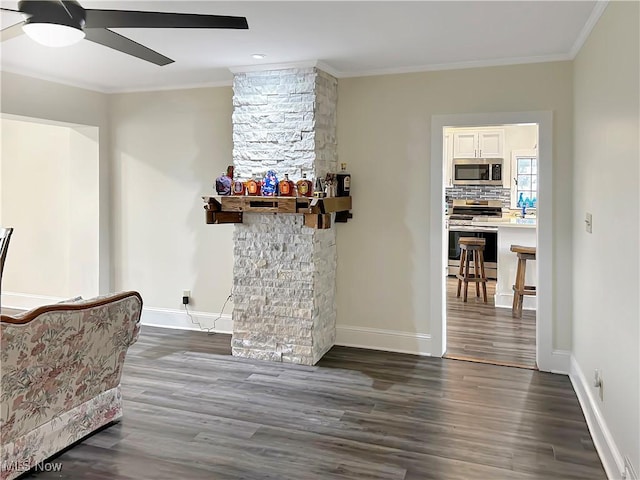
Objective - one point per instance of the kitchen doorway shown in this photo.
(490, 196)
(550, 296)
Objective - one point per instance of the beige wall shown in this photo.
(49, 196)
(34, 176)
(167, 149)
(38, 99)
(384, 136)
(606, 183)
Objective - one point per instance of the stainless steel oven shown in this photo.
(459, 224)
(490, 234)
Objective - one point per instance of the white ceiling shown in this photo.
(348, 38)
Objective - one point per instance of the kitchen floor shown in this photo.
(483, 333)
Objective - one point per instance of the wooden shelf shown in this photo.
(317, 211)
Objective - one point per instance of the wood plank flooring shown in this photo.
(487, 334)
(193, 412)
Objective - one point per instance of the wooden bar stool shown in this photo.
(472, 248)
(520, 289)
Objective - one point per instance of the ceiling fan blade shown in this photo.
(12, 31)
(125, 45)
(135, 19)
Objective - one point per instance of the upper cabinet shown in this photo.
(478, 144)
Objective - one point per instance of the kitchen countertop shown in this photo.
(505, 222)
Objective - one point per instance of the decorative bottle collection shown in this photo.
(266, 184)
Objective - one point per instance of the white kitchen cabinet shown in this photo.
(491, 144)
(478, 144)
(465, 144)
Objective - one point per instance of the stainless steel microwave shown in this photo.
(477, 171)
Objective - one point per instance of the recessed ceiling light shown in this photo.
(258, 56)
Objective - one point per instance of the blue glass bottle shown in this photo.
(520, 201)
(270, 184)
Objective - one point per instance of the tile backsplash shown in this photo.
(479, 192)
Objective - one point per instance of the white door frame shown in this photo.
(544, 263)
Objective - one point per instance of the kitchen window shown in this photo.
(524, 189)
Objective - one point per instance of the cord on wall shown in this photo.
(207, 329)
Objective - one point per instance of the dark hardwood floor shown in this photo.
(194, 412)
(483, 333)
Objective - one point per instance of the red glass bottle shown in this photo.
(238, 188)
(286, 187)
(254, 187)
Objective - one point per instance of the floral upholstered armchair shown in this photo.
(60, 369)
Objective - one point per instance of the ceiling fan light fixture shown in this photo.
(53, 34)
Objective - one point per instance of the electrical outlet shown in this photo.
(186, 293)
(598, 383)
(186, 296)
(588, 223)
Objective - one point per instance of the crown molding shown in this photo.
(459, 65)
(47, 78)
(186, 86)
(596, 13)
(265, 67)
(108, 91)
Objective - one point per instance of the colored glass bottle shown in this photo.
(270, 184)
(223, 185)
(286, 187)
(254, 186)
(238, 187)
(305, 187)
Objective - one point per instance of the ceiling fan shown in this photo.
(65, 22)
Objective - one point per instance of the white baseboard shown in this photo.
(26, 301)
(560, 362)
(153, 317)
(610, 456)
(179, 319)
(388, 340)
(505, 300)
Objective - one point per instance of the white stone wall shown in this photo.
(324, 291)
(273, 122)
(326, 146)
(284, 272)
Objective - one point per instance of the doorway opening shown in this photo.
(490, 187)
(546, 358)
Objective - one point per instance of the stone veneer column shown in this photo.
(284, 272)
